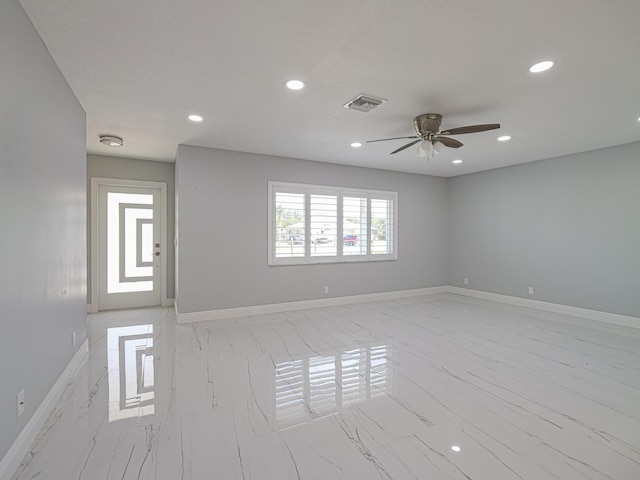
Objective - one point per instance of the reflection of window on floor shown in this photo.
(312, 387)
(131, 371)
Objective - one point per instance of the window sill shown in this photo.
(319, 261)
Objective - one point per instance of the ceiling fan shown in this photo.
(428, 135)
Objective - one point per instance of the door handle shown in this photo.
(157, 254)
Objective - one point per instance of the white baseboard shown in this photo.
(612, 318)
(230, 313)
(301, 305)
(168, 302)
(11, 461)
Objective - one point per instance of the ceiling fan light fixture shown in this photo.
(423, 149)
(356, 144)
(541, 66)
(504, 138)
(111, 140)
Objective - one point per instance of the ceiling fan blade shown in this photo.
(470, 129)
(394, 138)
(448, 142)
(406, 146)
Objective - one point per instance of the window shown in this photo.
(318, 224)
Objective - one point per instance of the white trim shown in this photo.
(613, 318)
(301, 305)
(118, 182)
(227, 313)
(11, 461)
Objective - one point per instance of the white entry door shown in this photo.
(129, 246)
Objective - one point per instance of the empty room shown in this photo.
(317, 240)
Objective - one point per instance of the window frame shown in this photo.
(275, 187)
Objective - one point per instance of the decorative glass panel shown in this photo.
(128, 215)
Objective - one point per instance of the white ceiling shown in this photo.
(139, 67)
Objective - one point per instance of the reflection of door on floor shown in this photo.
(129, 247)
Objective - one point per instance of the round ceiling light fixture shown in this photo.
(504, 138)
(295, 84)
(455, 448)
(195, 118)
(111, 140)
(457, 162)
(356, 144)
(541, 66)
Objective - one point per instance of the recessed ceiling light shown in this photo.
(457, 162)
(195, 118)
(504, 138)
(295, 84)
(111, 140)
(541, 66)
(455, 448)
(356, 144)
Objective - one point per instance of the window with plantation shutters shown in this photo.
(321, 224)
(354, 225)
(381, 223)
(289, 225)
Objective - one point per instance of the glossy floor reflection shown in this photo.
(433, 387)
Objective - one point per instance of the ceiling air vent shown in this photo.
(364, 103)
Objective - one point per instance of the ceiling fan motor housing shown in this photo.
(427, 123)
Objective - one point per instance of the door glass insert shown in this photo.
(129, 242)
(145, 256)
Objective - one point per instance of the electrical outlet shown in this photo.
(466, 281)
(73, 338)
(20, 402)
(326, 290)
(530, 290)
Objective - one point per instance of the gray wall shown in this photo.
(131, 169)
(569, 227)
(42, 214)
(222, 223)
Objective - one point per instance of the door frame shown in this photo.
(119, 182)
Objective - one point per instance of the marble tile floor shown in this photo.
(432, 387)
